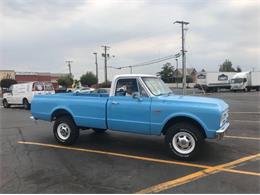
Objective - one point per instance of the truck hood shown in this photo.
(196, 100)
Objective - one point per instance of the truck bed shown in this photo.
(87, 109)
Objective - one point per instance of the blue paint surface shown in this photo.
(147, 115)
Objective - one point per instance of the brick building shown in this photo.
(23, 77)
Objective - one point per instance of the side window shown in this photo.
(38, 86)
(126, 87)
(11, 88)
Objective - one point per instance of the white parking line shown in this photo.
(242, 137)
(244, 112)
(245, 121)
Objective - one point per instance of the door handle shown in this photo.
(114, 103)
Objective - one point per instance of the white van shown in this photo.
(22, 94)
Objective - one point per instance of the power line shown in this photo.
(154, 61)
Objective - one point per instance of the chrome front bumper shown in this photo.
(31, 117)
(221, 132)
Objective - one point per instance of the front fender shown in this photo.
(188, 115)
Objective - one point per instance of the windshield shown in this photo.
(237, 80)
(156, 86)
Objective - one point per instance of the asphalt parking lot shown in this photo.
(113, 162)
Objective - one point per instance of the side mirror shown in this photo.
(136, 95)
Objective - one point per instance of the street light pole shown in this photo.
(183, 55)
(95, 53)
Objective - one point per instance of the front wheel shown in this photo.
(5, 104)
(65, 131)
(184, 140)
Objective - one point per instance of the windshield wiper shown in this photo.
(168, 93)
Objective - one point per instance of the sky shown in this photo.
(40, 35)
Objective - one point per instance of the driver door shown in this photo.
(129, 113)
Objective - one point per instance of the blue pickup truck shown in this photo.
(140, 104)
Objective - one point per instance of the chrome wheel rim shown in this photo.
(183, 142)
(63, 131)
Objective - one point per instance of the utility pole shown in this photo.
(131, 69)
(183, 55)
(95, 53)
(105, 55)
(177, 71)
(69, 65)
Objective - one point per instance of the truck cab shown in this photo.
(246, 81)
(240, 81)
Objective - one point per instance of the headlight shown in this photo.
(224, 118)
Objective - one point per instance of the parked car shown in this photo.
(140, 104)
(84, 90)
(101, 90)
(22, 94)
(80, 90)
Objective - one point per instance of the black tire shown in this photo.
(257, 88)
(99, 130)
(5, 104)
(67, 121)
(190, 131)
(26, 104)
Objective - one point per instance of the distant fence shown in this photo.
(174, 85)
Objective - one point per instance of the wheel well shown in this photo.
(183, 119)
(25, 99)
(60, 112)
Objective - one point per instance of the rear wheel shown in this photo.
(65, 131)
(5, 104)
(184, 140)
(26, 104)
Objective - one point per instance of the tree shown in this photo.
(239, 69)
(65, 81)
(88, 79)
(76, 83)
(6, 83)
(226, 67)
(167, 73)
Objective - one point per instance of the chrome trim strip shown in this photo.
(223, 129)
